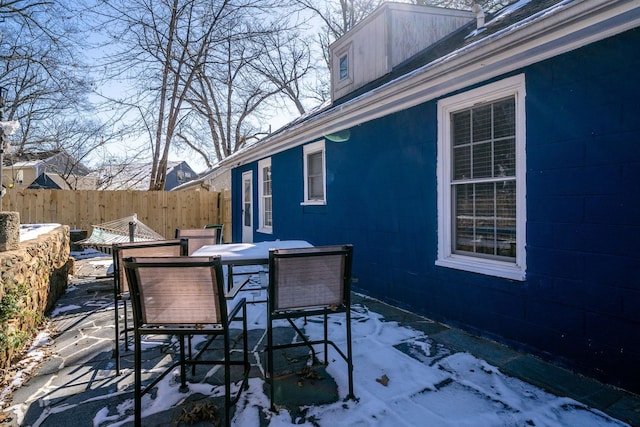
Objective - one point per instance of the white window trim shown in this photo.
(338, 82)
(512, 86)
(261, 208)
(310, 149)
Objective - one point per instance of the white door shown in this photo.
(247, 207)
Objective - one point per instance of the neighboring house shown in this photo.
(488, 178)
(216, 179)
(136, 176)
(49, 181)
(48, 169)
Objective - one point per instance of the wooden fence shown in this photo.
(163, 211)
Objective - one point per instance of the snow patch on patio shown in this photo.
(430, 386)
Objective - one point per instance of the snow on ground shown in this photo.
(28, 363)
(401, 378)
(90, 253)
(32, 231)
(427, 384)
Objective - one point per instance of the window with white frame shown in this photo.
(481, 180)
(314, 174)
(265, 202)
(342, 66)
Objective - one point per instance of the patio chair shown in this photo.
(220, 228)
(184, 296)
(307, 282)
(198, 237)
(174, 247)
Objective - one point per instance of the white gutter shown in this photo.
(560, 29)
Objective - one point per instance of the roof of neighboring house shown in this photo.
(49, 181)
(30, 158)
(58, 161)
(132, 176)
(524, 33)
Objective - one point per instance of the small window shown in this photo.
(265, 201)
(314, 173)
(481, 180)
(344, 66)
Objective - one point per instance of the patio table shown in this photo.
(242, 254)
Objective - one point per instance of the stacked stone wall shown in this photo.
(32, 278)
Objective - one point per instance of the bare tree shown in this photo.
(199, 73)
(187, 67)
(47, 79)
(287, 64)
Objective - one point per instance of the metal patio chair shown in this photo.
(220, 228)
(173, 247)
(184, 296)
(198, 237)
(308, 282)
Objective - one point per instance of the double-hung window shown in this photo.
(265, 202)
(314, 174)
(481, 180)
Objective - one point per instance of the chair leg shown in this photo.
(349, 354)
(116, 304)
(326, 339)
(193, 366)
(227, 380)
(269, 355)
(183, 369)
(126, 325)
(246, 345)
(138, 380)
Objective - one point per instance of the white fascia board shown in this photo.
(565, 27)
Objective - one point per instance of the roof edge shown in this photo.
(559, 29)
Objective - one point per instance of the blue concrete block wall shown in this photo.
(580, 303)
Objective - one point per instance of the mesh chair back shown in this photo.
(173, 247)
(177, 291)
(310, 277)
(198, 237)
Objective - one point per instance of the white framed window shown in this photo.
(265, 202)
(343, 66)
(481, 180)
(314, 174)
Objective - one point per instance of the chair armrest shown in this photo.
(234, 311)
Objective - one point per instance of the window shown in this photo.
(344, 66)
(314, 174)
(265, 202)
(481, 180)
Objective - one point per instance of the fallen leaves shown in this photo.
(384, 380)
(200, 411)
(308, 374)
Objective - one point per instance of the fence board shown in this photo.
(163, 211)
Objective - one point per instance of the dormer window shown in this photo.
(344, 66)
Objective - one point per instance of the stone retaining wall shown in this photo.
(32, 278)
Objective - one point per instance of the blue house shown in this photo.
(485, 168)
